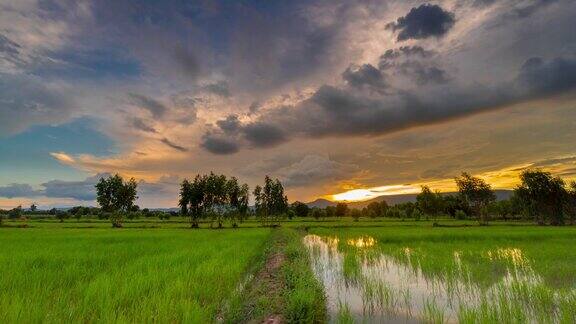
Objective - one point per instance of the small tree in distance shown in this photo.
(115, 196)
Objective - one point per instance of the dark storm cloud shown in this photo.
(219, 145)
(417, 51)
(230, 125)
(365, 76)
(156, 108)
(18, 190)
(333, 111)
(173, 145)
(545, 78)
(263, 135)
(423, 74)
(140, 124)
(422, 22)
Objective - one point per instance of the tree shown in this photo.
(15, 213)
(317, 213)
(216, 197)
(355, 214)
(377, 209)
(33, 207)
(116, 196)
(477, 193)
(341, 209)
(330, 211)
(300, 209)
(61, 215)
(270, 201)
(430, 203)
(543, 196)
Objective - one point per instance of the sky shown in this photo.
(338, 99)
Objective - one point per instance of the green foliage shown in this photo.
(377, 209)
(430, 203)
(300, 209)
(341, 209)
(116, 196)
(477, 193)
(544, 197)
(303, 294)
(215, 197)
(270, 201)
(355, 214)
(460, 214)
(15, 213)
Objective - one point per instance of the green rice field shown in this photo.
(337, 271)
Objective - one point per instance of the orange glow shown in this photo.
(366, 194)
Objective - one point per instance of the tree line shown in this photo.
(540, 197)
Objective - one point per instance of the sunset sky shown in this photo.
(329, 96)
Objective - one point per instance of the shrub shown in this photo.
(460, 214)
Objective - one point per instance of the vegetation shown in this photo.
(214, 196)
(99, 275)
(471, 275)
(115, 196)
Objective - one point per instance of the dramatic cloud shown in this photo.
(26, 101)
(365, 76)
(332, 111)
(156, 108)
(315, 169)
(80, 190)
(219, 145)
(423, 22)
(542, 78)
(263, 135)
(173, 145)
(230, 125)
(18, 190)
(140, 124)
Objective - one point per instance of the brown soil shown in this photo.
(269, 277)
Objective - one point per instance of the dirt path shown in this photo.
(262, 298)
(269, 276)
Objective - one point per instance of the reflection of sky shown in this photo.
(390, 290)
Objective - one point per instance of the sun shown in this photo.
(354, 195)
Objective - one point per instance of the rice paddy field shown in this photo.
(58, 275)
(493, 274)
(337, 271)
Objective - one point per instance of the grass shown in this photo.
(105, 275)
(488, 274)
(161, 271)
(284, 287)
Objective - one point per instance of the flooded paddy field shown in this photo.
(410, 274)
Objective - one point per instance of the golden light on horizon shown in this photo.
(505, 178)
(367, 194)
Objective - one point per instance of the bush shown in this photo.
(460, 215)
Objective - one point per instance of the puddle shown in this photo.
(365, 285)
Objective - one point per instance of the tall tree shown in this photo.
(116, 196)
(543, 196)
(477, 193)
(430, 203)
(341, 209)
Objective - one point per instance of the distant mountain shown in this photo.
(394, 199)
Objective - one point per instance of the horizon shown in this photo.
(340, 100)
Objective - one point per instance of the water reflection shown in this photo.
(368, 286)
